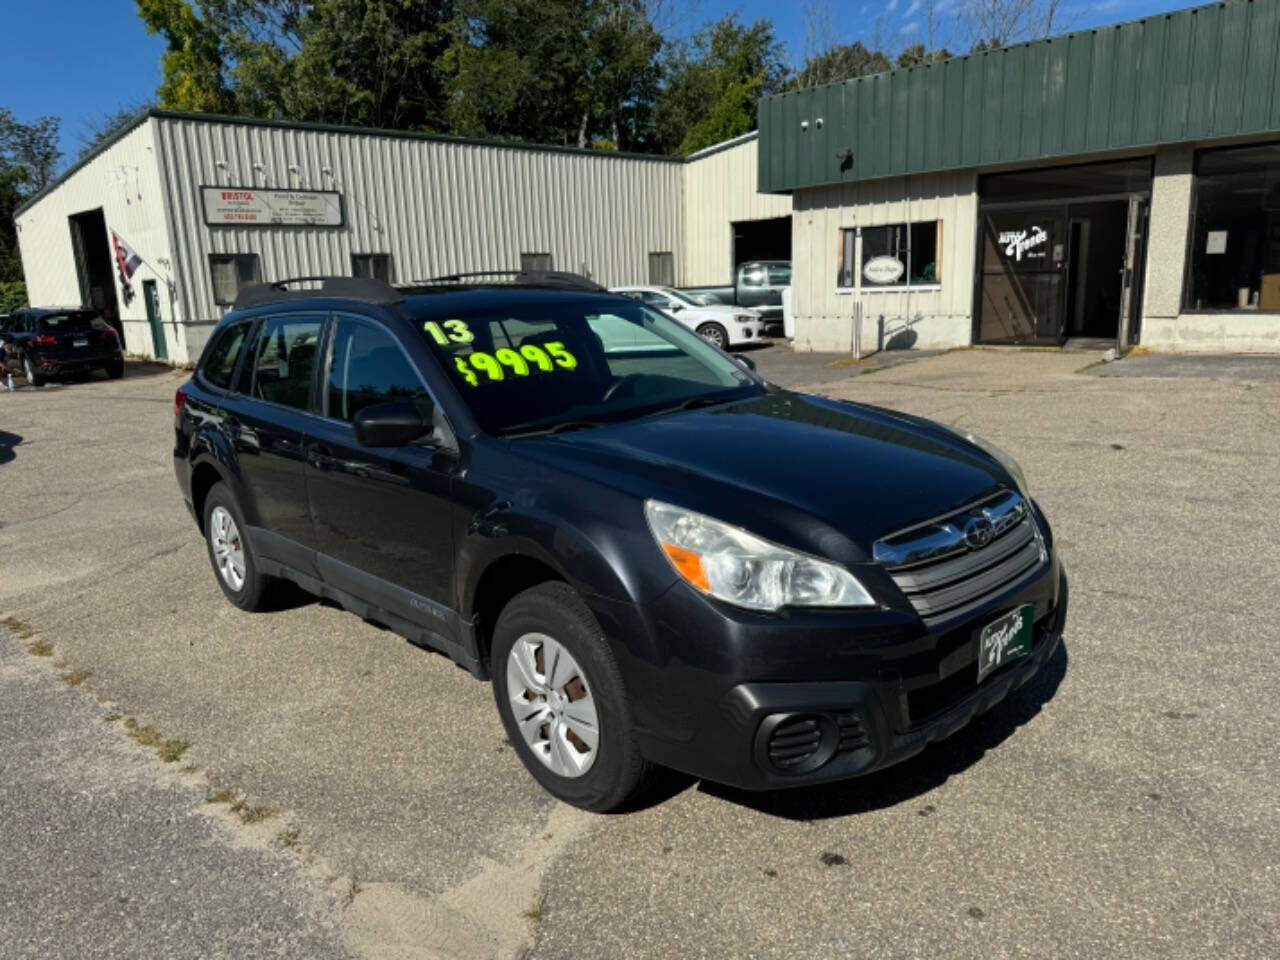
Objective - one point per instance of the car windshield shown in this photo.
(681, 296)
(557, 365)
(64, 322)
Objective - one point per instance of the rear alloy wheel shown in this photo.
(229, 552)
(715, 334)
(29, 371)
(562, 701)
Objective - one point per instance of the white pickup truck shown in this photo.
(722, 325)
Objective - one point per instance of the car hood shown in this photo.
(817, 474)
(725, 309)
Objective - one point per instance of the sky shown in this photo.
(105, 60)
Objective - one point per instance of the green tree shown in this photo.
(98, 132)
(363, 62)
(574, 72)
(29, 158)
(840, 63)
(918, 55)
(714, 82)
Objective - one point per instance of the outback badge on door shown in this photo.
(1006, 639)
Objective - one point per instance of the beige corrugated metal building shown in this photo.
(204, 203)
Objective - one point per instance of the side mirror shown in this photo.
(745, 361)
(675, 307)
(393, 424)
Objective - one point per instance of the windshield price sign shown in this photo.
(255, 207)
(529, 359)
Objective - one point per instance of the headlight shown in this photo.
(1001, 457)
(739, 568)
(743, 318)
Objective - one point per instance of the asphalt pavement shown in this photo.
(1125, 803)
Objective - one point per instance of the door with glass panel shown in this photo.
(1024, 271)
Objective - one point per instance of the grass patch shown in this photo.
(221, 796)
(168, 750)
(76, 677)
(289, 838)
(20, 629)
(256, 814)
(40, 648)
(536, 912)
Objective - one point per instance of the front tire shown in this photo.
(714, 334)
(29, 371)
(229, 553)
(561, 699)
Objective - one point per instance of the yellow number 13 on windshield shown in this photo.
(449, 332)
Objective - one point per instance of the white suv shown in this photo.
(724, 326)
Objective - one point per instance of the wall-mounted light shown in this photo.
(804, 124)
(818, 123)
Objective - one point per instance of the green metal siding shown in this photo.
(1191, 75)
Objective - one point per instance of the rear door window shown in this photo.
(220, 364)
(367, 366)
(284, 359)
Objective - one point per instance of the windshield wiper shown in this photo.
(693, 403)
(563, 427)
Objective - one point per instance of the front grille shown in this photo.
(794, 741)
(953, 564)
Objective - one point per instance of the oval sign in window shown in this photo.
(883, 269)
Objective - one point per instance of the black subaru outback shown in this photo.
(657, 557)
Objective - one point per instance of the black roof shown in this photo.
(53, 311)
(368, 290)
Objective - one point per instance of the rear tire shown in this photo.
(229, 553)
(115, 370)
(579, 691)
(29, 371)
(714, 334)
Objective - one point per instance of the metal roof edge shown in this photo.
(960, 57)
(166, 114)
(722, 145)
(125, 129)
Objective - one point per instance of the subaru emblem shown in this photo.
(978, 532)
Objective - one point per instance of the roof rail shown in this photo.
(349, 288)
(561, 279)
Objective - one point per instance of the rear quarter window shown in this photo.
(220, 364)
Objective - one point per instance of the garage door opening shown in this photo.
(94, 267)
(761, 240)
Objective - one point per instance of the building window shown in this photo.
(535, 262)
(1234, 261)
(896, 255)
(230, 272)
(375, 266)
(662, 269)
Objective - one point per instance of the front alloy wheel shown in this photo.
(552, 705)
(714, 334)
(563, 705)
(228, 548)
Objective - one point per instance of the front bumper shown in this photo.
(751, 332)
(875, 699)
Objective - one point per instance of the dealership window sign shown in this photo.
(255, 207)
(883, 269)
(1024, 243)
